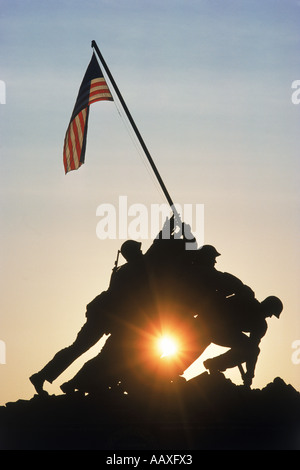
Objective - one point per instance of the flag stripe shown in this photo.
(99, 82)
(93, 88)
(74, 140)
(86, 93)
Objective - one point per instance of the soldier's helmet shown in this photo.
(208, 251)
(130, 249)
(272, 305)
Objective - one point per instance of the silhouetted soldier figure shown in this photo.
(101, 315)
(122, 352)
(237, 318)
(226, 308)
(211, 282)
(109, 311)
(230, 311)
(143, 285)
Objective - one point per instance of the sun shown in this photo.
(167, 346)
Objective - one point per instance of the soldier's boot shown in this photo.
(37, 381)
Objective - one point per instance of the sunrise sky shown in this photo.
(209, 84)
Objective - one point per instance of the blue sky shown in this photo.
(209, 86)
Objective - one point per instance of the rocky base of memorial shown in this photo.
(208, 412)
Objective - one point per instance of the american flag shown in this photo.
(93, 88)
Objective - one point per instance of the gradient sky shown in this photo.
(208, 83)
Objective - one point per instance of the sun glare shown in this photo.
(167, 346)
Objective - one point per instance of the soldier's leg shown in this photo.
(241, 351)
(189, 356)
(98, 373)
(87, 337)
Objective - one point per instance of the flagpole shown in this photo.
(141, 141)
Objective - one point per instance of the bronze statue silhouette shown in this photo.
(100, 317)
(166, 285)
(120, 304)
(241, 318)
(229, 315)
